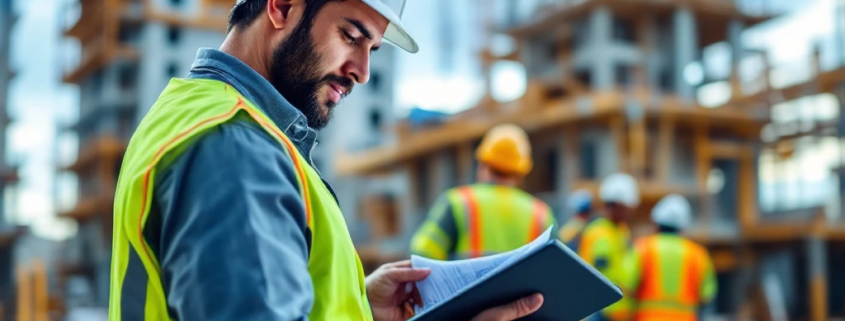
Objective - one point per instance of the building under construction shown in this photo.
(608, 91)
(129, 51)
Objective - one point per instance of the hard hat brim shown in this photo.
(395, 33)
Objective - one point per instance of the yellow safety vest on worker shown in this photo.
(604, 245)
(669, 277)
(571, 230)
(489, 219)
(184, 111)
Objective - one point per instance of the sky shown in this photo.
(39, 102)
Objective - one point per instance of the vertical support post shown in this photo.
(617, 131)
(638, 136)
(413, 202)
(686, 45)
(601, 41)
(817, 275)
(441, 173)
(735, 28)
(747, 204)
(24, 310)
(703, 164)
(568, 156)
(40, 276)
(465, 158)
(664, 147)
(647, 41)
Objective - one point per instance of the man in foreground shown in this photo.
(219, 214)
(492, 216)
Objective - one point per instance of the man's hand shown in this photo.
(513, 310)
(391, 290)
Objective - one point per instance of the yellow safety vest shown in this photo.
(572, 229)
(604, 245)
(489, 219)
(185, 110)
(669, 277)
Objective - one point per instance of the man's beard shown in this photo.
(295, 73)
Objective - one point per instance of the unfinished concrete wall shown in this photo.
(162, 58)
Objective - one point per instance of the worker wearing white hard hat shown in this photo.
(606, 238)
(220, 213)
(657, 294)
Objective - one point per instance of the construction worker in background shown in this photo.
(491, 216)
(219, 212)
(606, 239)
(669, 277)
(580, 206)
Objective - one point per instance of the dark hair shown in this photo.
(245, 12)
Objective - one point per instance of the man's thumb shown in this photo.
(407, 275)
(513, 310)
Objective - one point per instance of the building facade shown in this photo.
(129, 51)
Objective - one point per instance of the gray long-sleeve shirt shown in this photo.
(227, 223)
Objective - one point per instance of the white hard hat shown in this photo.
(672, 211)
(395, 33)
(620, 188)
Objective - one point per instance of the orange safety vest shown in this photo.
(673, 273)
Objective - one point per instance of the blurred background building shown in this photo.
(734, 103)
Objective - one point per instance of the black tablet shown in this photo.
(572, 289)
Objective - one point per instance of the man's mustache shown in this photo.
(344, 82)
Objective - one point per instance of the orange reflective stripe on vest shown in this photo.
(475, 225)
(473, 222)
(539, 220)
(671, 279)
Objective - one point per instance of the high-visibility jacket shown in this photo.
(488, 219)
(572, 229)
(603, 245)
(670, 278)
(185, 110)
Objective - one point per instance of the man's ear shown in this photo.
(279, 11)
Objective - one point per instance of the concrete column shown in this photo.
(441, 172)
(686, 48)
(465, 159)
(817, 277)
(569, 160)
(601, 41)
(735, 28)
(648, 46)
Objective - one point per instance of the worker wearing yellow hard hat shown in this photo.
(606, 239)
(667, 276)
(492, 215)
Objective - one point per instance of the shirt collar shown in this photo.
(218, 65)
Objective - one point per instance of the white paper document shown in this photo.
(449, 277)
